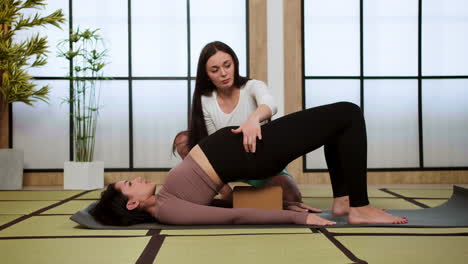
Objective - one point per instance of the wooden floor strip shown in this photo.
(411, 200)
(314, 230)
(151, 250)
(341, 247)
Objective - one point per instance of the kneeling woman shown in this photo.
(220, 158)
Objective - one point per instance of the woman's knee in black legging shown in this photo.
(354, 114)
(351, 109)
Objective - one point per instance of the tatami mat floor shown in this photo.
(35, 228)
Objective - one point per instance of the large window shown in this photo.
(153, 49)
(405, 63)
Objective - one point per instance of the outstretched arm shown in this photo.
(180, 212)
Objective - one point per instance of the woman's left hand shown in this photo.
(300, 207)
(251, 130)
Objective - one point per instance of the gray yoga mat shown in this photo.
(453, 213)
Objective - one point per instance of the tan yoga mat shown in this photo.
(22, 207)
(73, 250)
(7, 218)
(70, 207)
(237, 231)
(271, 249)
(93, 195)
(59, 225)
(37, 195)
(408, 249)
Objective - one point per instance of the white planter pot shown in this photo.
(83, 175)
(11, 169)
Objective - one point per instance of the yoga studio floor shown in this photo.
(35, 228)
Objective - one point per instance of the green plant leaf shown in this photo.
(18, 55)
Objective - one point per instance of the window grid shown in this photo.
(130, 79)
(362, 78)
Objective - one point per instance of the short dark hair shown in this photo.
(111, 209)
(174, 143)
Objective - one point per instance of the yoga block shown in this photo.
(270, 197)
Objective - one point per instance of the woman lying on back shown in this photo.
(220, 158)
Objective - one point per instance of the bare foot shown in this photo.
(340, 205)
(313, 219)
(370, 215)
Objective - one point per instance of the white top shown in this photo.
(252, 94)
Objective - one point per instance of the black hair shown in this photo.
(204, 86)
(111, 209)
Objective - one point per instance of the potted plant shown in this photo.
(16, 57)
(82, 49)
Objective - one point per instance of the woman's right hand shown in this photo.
(313, 219)
(251, 131)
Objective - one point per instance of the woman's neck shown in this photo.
(149, 205)
(228, 100)
(228, 94)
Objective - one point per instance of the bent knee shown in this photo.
(350, 109)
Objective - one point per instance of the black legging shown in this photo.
(340, 127)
